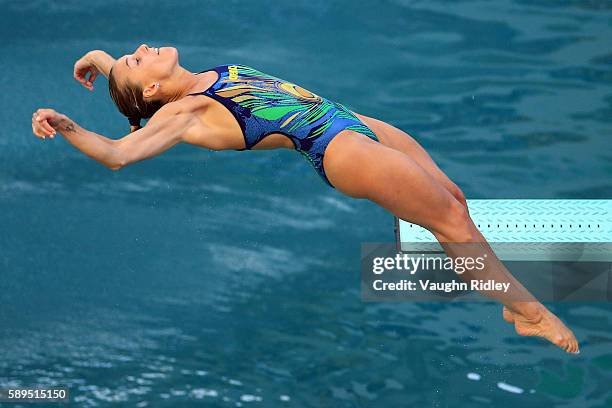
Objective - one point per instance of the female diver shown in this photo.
(238, 107)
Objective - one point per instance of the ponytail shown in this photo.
(134, 123)
(130, 101)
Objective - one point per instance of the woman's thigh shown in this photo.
(399, 140)
(362, 168)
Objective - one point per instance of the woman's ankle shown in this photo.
(529, 310)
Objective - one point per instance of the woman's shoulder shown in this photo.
(180, 106)
(171, 108)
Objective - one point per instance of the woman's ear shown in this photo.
(150, 90)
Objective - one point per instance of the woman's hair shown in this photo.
(130, 102)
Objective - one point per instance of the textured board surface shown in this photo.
(579, 230)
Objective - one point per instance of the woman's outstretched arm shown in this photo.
(164, 130)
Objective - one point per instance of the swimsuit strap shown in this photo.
(210, 87)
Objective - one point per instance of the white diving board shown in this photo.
(530, 230)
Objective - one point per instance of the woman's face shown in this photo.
(146, 66)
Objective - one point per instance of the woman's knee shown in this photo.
(458, 194)
(456, 225)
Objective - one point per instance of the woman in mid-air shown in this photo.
(236, 107)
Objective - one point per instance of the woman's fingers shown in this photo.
(40, 123)
(39, 130)
(45, 126)
(48, 128)
(83, 80)
(36, 126)
(35, 131)
(81, 68)
(88, 82)
(92, 77)
(79, 73)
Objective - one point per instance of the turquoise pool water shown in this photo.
(230, 279)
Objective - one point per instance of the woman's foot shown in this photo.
(533, 319)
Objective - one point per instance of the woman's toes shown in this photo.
(560, 341)
(507, 315)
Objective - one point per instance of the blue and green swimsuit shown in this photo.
(263, 104)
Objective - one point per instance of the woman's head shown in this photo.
(134, 80)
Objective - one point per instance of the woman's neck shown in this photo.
(188, 82)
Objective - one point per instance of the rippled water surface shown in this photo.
(232, 278)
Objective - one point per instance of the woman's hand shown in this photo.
(84, 66)
(94, 62)
(44, 121)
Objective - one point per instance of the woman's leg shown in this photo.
(362, 168)
(399, 140)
